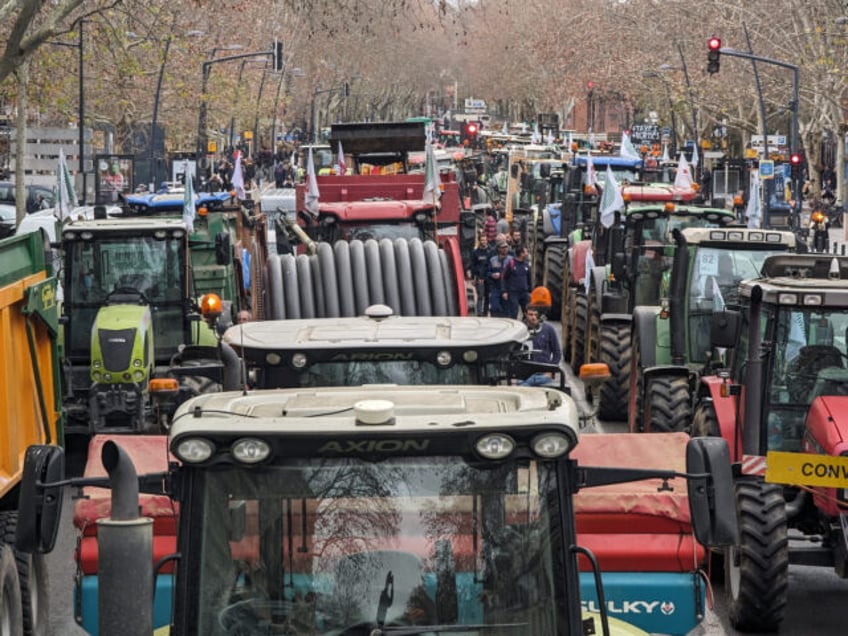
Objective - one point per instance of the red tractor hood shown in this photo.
(827, 426)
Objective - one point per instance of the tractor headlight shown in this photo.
(107, 377)
(137, 363)
(551, 445)
(299, 360)
(96, 375)
(495, 446)
(250, 450)
(96, 363)
(138, 376)
(443, 358)
(194, 450)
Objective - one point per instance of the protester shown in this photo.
(516, 283)
(477, 269)
(544, 339)
(497, 264)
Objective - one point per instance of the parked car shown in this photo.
(7, 220)
(7, 195)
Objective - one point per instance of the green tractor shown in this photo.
(633, 258)
(131, 318)
(670, 342)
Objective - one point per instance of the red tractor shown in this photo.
(784, 389)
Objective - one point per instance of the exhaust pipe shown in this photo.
(125, 545)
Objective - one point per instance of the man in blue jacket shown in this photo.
(516, 283)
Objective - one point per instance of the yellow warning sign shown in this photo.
(806, 469)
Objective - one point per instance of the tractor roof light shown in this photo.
(194, 450)
(251, 450)
(552, 444)
(738, 200)
(211, 307)
(669, 207)
(202, 211)
(495, 446)
(818, 216)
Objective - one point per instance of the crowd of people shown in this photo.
(499, 269)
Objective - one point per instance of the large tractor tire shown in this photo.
(614, 339)
(537, 253)
(554, 254)
(593, 328)
(634, 402)
(578, 330)
(11, 612)
(567, 309)
(757, 570)
(668, 406)
(705, 421)
(31, 585)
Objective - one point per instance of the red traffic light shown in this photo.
(471, 129)
(714, 43)
(795, 159)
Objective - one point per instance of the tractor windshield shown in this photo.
(714, 279)
(149, 269)
(809, 360)
(383, 370)
(332, 546)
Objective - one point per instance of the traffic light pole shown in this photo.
(793, 143)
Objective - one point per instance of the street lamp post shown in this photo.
(79, 47)
(152, 166)
(202, 140)
(667, 88)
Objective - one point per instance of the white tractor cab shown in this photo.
(381, 348)
(361, 510)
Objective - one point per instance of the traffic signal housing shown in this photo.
(278, 55)
(713, 55)
(795, 164)
(470, 130)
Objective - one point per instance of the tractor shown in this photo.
(781, 401)
(670, 342)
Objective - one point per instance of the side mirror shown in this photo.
(724, 328)
(545, 170)
(513, 171)
(40, 507)
(712, 498)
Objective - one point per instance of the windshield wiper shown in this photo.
(403, 630)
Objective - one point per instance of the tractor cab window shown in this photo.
(144, 270)
(810, 360)
(340, 545)
(403, 372)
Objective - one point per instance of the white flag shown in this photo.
(695, 156)
(312, 193)
(665, 156)
(238, 178)
(683, 178)
(432, 181)
(342, 164)
(627, 150)
(188, 202)
(66, 195)
(505, 129)
(570, 141)
(611, 200)
(590, 264)
(718, 299)
(591, 174)
(753, 210)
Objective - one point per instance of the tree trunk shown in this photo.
(22, 77)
